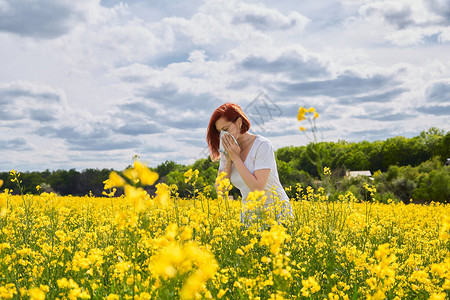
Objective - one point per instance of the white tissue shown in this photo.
(221, 147)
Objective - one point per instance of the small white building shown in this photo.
(351, 174)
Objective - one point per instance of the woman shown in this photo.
(250, 165)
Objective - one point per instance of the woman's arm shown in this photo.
(255, 181)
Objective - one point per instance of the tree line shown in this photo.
(405, 168)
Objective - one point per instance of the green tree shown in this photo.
(442, 147)
(30, 180)
(433, 186)
(167, 167)
(395, 151)
(356, 160)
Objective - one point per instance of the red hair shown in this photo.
(231, 112)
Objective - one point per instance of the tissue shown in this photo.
(221, 147)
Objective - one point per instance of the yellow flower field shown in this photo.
(164, 247)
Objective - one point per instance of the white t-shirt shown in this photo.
(260, 156)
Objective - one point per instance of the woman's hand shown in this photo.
(231, 147)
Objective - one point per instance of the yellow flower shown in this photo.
(444, 232)
(162, 194)
(333, 296)
(187, 175)
(3, 203)
(316, 115)
(223, 185)
(274, 238)
(1, 182)
(311, 110)
(221, 293)
(192, 287)
(171, 231)
(121, 269)
(382, 251)
(131, 174)
(438, 269)
(301, 114)
(116, 180)
(36, 294)
(144, 296)
(64, 283)
(168, 261)
(121, 220)
(438, 296)
(302, 128)
(136, 196)
(266, 259)
(186, 234)
(239, 251)
(310, 286)
(146, 176)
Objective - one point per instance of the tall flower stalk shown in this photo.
(312, 150)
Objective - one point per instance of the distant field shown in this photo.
(140, 248)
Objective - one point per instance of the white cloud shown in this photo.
(293, 61)
(400, 14)
(263, 18)
(444, 36)
(21, 100)
(113, 40)
(45, 19)
(410, 21)
(439, 91)
(112, 82)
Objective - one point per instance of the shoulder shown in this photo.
(263, 139)
(264, 154)
(263, 143)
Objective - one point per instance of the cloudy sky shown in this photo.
(89, 83)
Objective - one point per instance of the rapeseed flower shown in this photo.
(223, 184)
(301, 114)
(36, 294)
(131, 174)
(145, 175)
(221, 293)
(274, 238)
(136, 196)
(444, 233)
(310, 286)
(186, 234)
(162, 194)
(110, 248)
(303, 111)
(191, 176)
(115, 180)
(3, 204)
